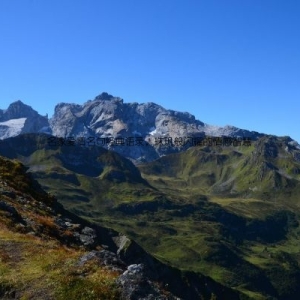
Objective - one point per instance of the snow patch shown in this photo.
(11, 127)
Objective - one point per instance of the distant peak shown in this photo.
(18, 102)
(104, 96)
(18, 109)
(19, 105)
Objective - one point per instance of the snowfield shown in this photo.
(11, 127)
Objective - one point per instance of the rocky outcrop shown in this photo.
(135, 285)
(185, 285)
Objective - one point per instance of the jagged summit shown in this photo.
(20, 118)
(104, 96)
(108, 116)
(17, 110)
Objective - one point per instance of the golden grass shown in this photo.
(33, 266)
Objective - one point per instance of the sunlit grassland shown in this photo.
(39, 268)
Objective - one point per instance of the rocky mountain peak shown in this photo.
(17, 110)
(108, 117)
(104, 96)
(20, 118)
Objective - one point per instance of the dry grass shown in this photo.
(39, 269)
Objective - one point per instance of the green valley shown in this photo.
(230, 213)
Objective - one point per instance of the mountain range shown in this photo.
(158, 131)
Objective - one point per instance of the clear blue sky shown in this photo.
(231, 62)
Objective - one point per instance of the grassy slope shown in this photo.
(31, 268)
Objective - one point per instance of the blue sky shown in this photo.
(231, 62)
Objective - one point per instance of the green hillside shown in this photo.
(78, 176)
(252, 232)
(268, 169)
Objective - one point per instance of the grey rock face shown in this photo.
(86, 237)
(136, 286)
(142, 132)
(103, 258)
